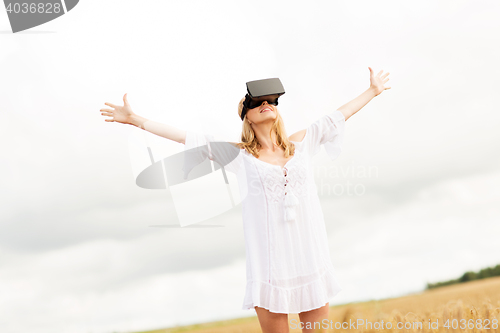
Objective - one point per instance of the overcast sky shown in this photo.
(79, 247)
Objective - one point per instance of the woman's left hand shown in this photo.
(377, 82)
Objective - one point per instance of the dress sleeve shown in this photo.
(199, 146)
(328, 131)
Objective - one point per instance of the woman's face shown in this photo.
(263, 113)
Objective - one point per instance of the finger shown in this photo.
(108, 110)
(107, 114)
(387, 87)
(386, 80)
(378, 74)
(371, 71)
(109, 120)
(125, 102)
(112, 105)
(384, 76)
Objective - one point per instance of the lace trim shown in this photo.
(296, 180)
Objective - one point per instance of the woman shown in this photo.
(289, 269)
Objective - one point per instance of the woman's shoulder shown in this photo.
(298, 137)
(238, 145)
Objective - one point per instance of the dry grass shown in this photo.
(473, 301)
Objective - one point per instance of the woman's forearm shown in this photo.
(356, 104)
(163, 130)
(137, 120)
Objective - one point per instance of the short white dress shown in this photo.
(288, 264)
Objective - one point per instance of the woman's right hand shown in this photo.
(121, 114)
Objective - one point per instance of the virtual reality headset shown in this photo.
(262, 90)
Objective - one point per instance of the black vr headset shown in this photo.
(262, 90)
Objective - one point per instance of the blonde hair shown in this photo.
(250, 142)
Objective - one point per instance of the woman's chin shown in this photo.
(268, 114)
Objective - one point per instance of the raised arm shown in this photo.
(375, 89)
(163, 130)
(125, 115)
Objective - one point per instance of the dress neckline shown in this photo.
(279, 166)
(284, 166)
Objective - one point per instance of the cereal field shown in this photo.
(467, 307)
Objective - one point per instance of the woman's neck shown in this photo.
(266, 137)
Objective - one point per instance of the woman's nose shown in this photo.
(265, 102)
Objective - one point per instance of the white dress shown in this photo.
(288, 264)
